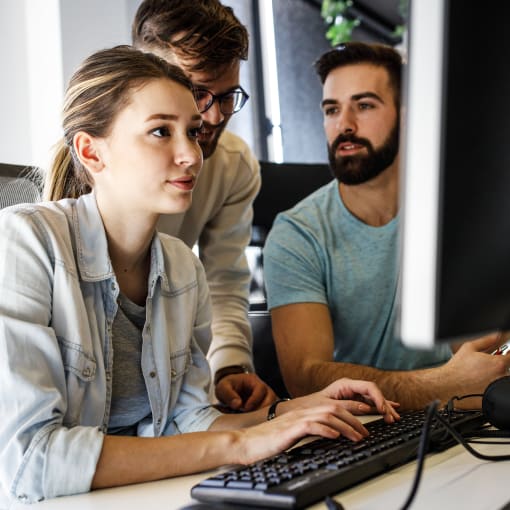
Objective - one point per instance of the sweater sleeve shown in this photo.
(222, 246)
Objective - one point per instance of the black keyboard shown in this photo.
(307, 474)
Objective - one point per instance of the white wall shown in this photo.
(14, 90)
(41, 44)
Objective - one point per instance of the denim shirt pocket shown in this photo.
(80, 370)
(180, 361)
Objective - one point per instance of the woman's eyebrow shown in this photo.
(170, 116)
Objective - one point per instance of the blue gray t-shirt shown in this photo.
(130, 400)
(318, 252)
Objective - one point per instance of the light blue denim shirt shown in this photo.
(58, 299)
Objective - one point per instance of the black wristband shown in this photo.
(233, 369)
(271, 413)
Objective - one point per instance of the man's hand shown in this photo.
(244, 392)
(473, 368)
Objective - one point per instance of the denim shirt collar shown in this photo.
(92, 256)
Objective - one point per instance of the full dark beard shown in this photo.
(352, 170)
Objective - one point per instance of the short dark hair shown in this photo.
(203, 30)
(353, 53)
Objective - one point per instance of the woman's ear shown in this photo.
(87, 148)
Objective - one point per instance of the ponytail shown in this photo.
(66, 179)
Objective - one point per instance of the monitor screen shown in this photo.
(455, 194)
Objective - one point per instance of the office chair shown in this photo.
(265, 358)
(18, 184)
(283, 186)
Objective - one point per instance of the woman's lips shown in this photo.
(184, 183)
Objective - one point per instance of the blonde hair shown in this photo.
(97, 92)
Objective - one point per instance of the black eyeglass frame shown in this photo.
(220, 98)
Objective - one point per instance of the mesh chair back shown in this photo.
(18, 185)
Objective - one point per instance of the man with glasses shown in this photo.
(206, 39)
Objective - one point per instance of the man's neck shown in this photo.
(374, 202)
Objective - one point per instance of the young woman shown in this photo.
(104, 322)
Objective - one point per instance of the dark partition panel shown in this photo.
(299, 38)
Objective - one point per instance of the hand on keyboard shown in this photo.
(360, 397)
(328, 413)
(308, 473)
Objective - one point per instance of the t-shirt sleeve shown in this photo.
(293, 264)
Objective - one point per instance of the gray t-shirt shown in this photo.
(318, 252)
(130, 402)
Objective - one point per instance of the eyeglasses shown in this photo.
(230, 102)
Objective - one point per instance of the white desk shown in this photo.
(451, 480)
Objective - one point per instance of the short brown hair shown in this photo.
(203, 30)
(353, 53)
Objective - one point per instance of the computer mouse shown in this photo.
(496, 403)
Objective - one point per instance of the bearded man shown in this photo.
(331, 262)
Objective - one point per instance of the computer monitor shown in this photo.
(455, 237)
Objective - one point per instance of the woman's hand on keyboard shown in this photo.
(328, 413)
(362, 397)
(357, 397)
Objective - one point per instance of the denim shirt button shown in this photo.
(152, 374)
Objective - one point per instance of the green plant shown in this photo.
(341, 23)
(340, 27)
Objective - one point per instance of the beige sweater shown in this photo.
(219, 221)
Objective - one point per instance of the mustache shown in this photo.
(343, 138)
(206, 126)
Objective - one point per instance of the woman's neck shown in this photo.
(129, 242)
(131, 264)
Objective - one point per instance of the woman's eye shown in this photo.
(161, 132)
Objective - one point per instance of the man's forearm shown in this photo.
(413, 389)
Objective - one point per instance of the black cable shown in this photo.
(458, 437)
(422, 451)
(424, 442)
(477, 441)
(332, 504)
(431, 414)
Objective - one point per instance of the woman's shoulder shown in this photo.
(181, 265)
(46, 212)
(177, 250)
